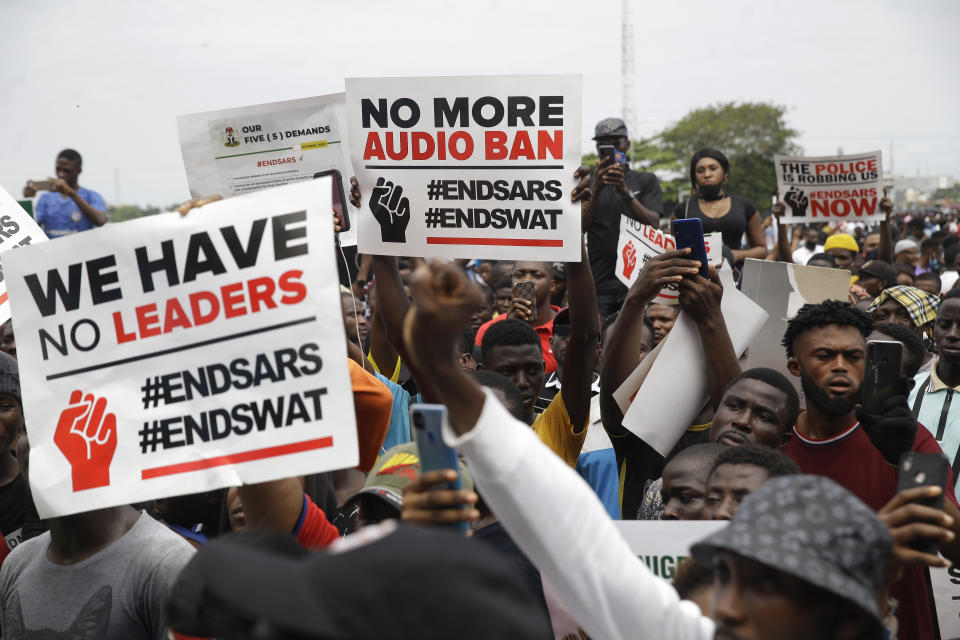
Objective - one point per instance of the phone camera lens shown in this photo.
(418, 420)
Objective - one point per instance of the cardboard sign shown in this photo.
(171, 355)
(235, 151)
(946, 597)
(467, 167)
(658, 414)
(831, 188)
(781, 289)
(17, 229)
(639, 242)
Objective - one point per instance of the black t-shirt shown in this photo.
(604, 231)
(13, 510)
(732, 225)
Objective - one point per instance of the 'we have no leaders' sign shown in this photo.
(171, 355)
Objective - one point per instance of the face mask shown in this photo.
(710, 192)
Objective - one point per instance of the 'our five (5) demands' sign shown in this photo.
(467, 166)
(831, 188)
(173, 355)
(17, 229)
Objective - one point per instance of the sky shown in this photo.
(109, 77)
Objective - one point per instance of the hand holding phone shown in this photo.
(427, 421)
(923, 470)
(339, 202)
(688, 233)
(43, 185)
(524, 291)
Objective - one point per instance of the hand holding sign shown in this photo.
(391, 210)
(87, 437)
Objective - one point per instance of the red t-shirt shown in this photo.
(851, 460)
(314, 532)
(545, 331)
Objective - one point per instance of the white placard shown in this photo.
(658, 414)
(830, 188)
(639, 242)
(172, 355)
(467, 167)
(17, 229)
(244, 149)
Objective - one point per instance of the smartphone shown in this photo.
(607, 151)
(42, 185)
(881, 374)
(924, 470)
(688, 232)
(427, 421)
(526, 290)
(339, 201)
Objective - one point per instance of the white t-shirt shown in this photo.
(801, 255)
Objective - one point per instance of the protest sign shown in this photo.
(946, 597)
(661, 544)
(467, 167)
(244, 149)
(781, 289)
(658, 414)
(172, 355)
(639, 242)
(17, 229)
(830, 188)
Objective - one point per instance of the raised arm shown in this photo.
(551, 514)
(885, 250)
(700, 299)
(784, 247)
(623, 350)
(580, 359)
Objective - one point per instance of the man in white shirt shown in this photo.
(761, 589)
(809, 248)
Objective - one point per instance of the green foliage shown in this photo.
(951, 194)
(124, 212)
(749, 133)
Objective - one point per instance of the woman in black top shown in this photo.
(718, 210)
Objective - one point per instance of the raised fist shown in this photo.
(798, 202)
(391, 210)
(87, 437)
(629, 260)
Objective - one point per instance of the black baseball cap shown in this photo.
(882, 271)
(609, 127)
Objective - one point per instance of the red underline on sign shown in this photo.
(234, 458)
(460, 167)
(500, 242)
(3, 298)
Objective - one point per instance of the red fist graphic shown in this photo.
(629, 260)
(87, 438)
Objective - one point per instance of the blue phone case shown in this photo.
(688, 232)
(426, 421)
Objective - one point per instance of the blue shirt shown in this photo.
(399, 430)
(59, 215)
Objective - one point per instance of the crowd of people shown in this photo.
(819, 540)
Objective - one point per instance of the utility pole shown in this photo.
(627, 73)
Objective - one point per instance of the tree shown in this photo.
(949, 194)
(123, 212)
(749, 133)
